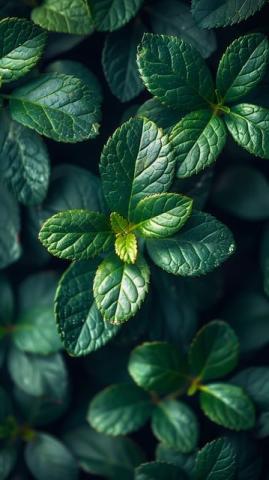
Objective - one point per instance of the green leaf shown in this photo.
(7, 301)
(249, 127)
(57, 106)
(210, 14)
(67, 16)
(248, 457)
(214, 351)
(255, 382)
(119, 409)
(126, 247)
(8, 457)
(158, 367)
(202, 245)
(119, 62)
(21, 46)
(10, 246)
(161, 215)
(118, 223)
(159, 471)
(110, 15)
(227, 405)
(24, 162)
(198, 140)
(91, 447)
(174, 72)
(136, 162)
(76, 234)
(242, 66)
(47, 457)
(174, 424)
(37, 291)
(216, 461)
(264, 258)
(120, 288)
(80, 324)
(183, 460)
(160, 114)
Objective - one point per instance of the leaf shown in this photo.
(160, 114)
(216, 461)
(198, 187)
(119, 62)
(37, 291)
(158, 367)
(175, 18)
(183, 460)
(136, 162)
(174, 72)
(7, 301)
(8, 457)
(202, 245)
(248, 458)
(249, 127)
(110, 15)
(228, 406)
(119, 409)
(47, 457)
(161, 215)
(224, 12)
(120, 288)
(10, 246)
(214, 351)
(80, 324)
(118, 223)
(174, 424)
(159, 471)
(126, 247)
(242, 66)
(57, 106)
(67, 16)
(21, 47)
(24, 162)
(255, 381)
(198, 140)
(91, 447)
(76, 234)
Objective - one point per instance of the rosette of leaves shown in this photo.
(137, 169)
(176, 74)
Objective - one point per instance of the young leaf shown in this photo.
(120, 288)
(242, 66)
(161, 215)
(126, 247)
(119, 409)
(158, 367)
(10, 246)
(21, 46)
(174, 424)
(159, 471)
(210, 14)
(118, 223)
(214, 351)
(67, 16)
(249, 126)
(57, 106)
(76, 234)
(80, 324)
(197, 140)
(216, 461)
(174, 72)
(227, 405)
(110, 15)
(136, 162)
(202, 245)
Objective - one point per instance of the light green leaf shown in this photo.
(120, 288)
(174, 424)
(119, 409)
(161, 215)
(216, 461)
(21, 46)
(118, 223)
(202, 245)
(174, 72)
(126, 247)
(76, 234)
(214, 351)
(66, 16)
(109, 15)
(210, 14)
(10, 246)
(57, 106)
(136, 162)
(160, 114)
(197, 139)
(242, 66)
(228, 406)
(159, 471)
(80, 324)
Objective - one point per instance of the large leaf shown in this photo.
(80, 324)
(110, 15)
(57, 106)
(120, 288)
(210, 14)
(216, 461)
(136, 162)
(202, 245)
(174, 72)
(21, 46)
(119, 409)
(10, 246)
(159, 471)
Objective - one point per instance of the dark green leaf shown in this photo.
(158, 113)
(210, 14)
(174, 457)
(109, 15)
(255, 381)
(159, 471)
(8, 459)
(7, 301)
(10, 246)
(248, 457)
(216, 461)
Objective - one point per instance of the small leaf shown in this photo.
(126, 247)
(118, 223)
(120, 288)
(119, 409)
(110, 15)
(159, 471)
(210, 14)
(76, 234)
(216, 461)
(174, 424)
(228, 406)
